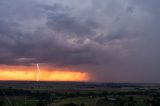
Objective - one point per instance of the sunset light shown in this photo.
(30, 74)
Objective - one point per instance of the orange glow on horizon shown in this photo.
(22, 73)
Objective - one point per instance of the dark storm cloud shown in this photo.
(68, 24)
(27, 48)
(62, 45)
(112, 40)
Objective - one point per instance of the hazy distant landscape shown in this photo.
(13, 93)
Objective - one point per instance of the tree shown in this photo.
(70, 104)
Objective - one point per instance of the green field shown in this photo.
(78, 94)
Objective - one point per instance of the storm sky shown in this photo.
(113, 40)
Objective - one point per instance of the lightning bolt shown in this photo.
(38, 69)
